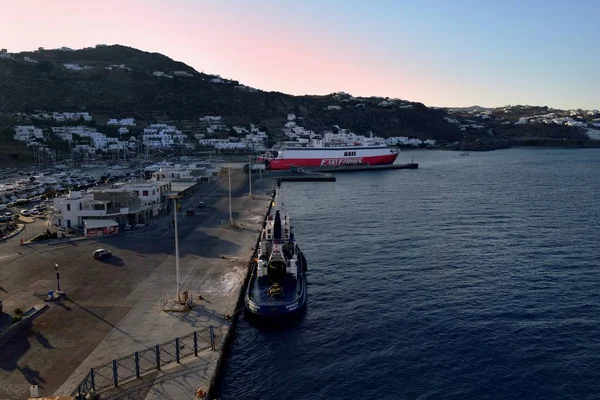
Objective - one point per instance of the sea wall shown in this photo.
(229, 335)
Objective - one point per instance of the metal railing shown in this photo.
(136, 365)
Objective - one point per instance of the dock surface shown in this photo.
(112, 308)
(356, 168)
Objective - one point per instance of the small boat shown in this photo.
(277, 286)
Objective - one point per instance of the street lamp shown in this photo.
(57, 278)
(230, 215)
(250, 176)
(178, 290)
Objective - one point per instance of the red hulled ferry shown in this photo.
(314, 152)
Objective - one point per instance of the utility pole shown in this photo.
(230, 215)
(178, 290)
(250, 176)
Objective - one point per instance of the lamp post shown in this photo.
(230, 215)
(178, 290)
(250, 176)
(57, 278)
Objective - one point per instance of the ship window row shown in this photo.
(349, 153)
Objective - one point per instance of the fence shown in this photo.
(133, 366)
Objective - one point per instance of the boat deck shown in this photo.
(261, 285)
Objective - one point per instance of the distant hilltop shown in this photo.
(109, 81)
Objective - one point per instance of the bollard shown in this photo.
(115, 375)
(196, 343)
(136, 356)
(92, 379)
(158, 357)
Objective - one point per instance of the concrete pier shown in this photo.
(216, 269)
(112, 308)
(355, 168)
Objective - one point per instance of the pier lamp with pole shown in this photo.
(250, 176)
(178, 289)
(57, 278)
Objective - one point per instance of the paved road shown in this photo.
(101, 295)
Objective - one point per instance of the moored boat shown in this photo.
(277, 286)
(315, 152)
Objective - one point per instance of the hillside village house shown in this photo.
(26, 133)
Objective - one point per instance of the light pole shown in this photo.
(230, 216)
(178, 290)
(57, 278)
(250, 176)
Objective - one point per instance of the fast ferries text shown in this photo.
(332, 162)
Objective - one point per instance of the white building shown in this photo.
(161, 74)
(29, 60)
(149, 192)
(162, 135)
(98, 206)
(118, 66)
(122, 122)
(26, 133)
(182, 73)
(77, 67)
(210, 118)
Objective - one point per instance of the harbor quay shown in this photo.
(114, 308)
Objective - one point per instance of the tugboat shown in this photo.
(277, 287)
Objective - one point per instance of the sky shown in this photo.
(450, 53)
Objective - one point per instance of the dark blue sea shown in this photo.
(473, 277)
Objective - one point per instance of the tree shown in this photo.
(44, 66)
(8, 133)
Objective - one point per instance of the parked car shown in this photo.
(200, 204)
(25, 213)
(101, 254)
(34, 211)
(8, 214)
(190, 212)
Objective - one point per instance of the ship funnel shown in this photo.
(277, 231)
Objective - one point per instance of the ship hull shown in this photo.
(331, 160)
(259, 307)
(280, 311)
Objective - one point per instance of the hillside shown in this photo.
(48, 85)
(119, 81)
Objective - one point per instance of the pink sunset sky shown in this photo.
(310, 47)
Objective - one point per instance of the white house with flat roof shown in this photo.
(102, 203)
(26, 133)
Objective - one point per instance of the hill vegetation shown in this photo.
(119, 81)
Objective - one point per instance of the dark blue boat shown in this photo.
(277, 287)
